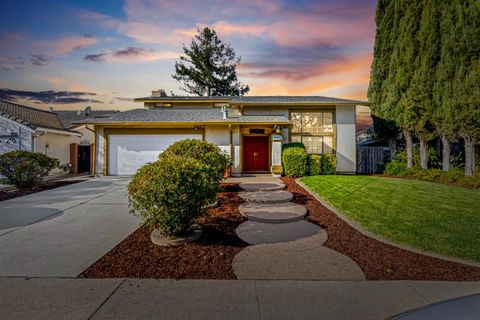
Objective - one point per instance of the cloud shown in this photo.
(48, 97)
(39, 60)
(67, 44)
(131, 55)
(8, 63)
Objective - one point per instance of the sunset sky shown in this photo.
(70, 54)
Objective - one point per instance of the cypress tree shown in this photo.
(421, 87)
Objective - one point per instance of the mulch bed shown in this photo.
(10, 193)
(210, 257)
(379, 261)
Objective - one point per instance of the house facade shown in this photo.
(249, 129)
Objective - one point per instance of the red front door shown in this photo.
(255, 153)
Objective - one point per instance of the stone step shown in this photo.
(262, 186)
(253, 232)
(266, 196)
(273, 213)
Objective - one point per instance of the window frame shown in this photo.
(332, 134)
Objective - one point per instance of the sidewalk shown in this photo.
(73, 298)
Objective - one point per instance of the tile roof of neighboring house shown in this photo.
(69, 117)
(261, 99)
(31, 117)
(183, 115)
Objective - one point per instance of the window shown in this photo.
(314, 129)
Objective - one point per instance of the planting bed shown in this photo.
(11, 192)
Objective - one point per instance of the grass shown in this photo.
(4, 181)
(428, 216)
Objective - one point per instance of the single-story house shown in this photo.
(50, 132)
(250, 129)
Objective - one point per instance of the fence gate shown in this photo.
(368, 159)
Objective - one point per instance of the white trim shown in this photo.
(73, 133)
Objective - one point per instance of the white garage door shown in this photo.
(127, 153)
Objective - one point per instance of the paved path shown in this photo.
(54, 298)
(62, 231)
(283, 245)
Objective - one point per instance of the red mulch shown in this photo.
(10, 193)
(379, 261)
(210, 257)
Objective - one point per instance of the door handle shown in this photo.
(255, 155)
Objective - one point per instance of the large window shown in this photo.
(314, 129)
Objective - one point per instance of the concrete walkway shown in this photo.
(62, 231)
(55, 298)
(283, 245)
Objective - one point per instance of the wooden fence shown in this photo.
(368, 159)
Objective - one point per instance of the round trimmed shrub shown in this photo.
(25, 169)
(295, 162)
(322, 164)
(215, 161)
(169, 193)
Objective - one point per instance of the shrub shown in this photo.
(401, 156)
(295, 162)
(293, 145)
(216, 162)
(322, 164)
(169, 193)
(395, 168)
(24, 169)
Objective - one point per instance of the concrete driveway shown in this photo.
(60, 232)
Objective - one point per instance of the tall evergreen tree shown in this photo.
(208, 67)
(423, 80)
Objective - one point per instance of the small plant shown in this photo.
(395, 168)
(24, 169)
(295, 162)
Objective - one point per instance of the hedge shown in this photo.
(322, 164)
(295, 161)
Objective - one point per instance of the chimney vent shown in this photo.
(159, 93)
(224, 113)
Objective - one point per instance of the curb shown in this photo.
(368, 233)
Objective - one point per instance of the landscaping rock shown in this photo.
(159, 238)
(268, 213)
(267, 196)
(258, 233)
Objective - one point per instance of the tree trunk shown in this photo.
(392, 144)
(446, 150)
(409, 141)
(423, 153)
(469, 156)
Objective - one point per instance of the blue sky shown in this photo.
(103, 53)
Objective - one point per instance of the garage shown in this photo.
(128, 152)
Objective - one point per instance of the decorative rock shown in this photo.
(259, 233)
(267, 196)
(161, 239)
(268, 213)
(211, 206)
(248, 186)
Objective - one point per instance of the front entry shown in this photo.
(255, 153)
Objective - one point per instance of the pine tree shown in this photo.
(208, 67)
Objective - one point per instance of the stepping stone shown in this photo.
(295, 261)
(249, 186)
(253, 232)
(266, 196)
(273, 213)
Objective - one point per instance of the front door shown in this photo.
(255, 153)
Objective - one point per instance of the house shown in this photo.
(50, 132)
(250, 129)
(26, 128)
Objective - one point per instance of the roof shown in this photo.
(198, 116)
(259, 99)
(31, 117)
(68, 117)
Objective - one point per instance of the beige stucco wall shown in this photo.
(346, 143)
(58, 146)
(100, 152)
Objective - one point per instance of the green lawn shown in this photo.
(429, 216)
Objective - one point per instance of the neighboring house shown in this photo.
(50, 132)
(250, 129)
(26, 128)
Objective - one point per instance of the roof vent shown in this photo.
(87, 112)
(50, 109)
(79, 112)
(159, 93)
